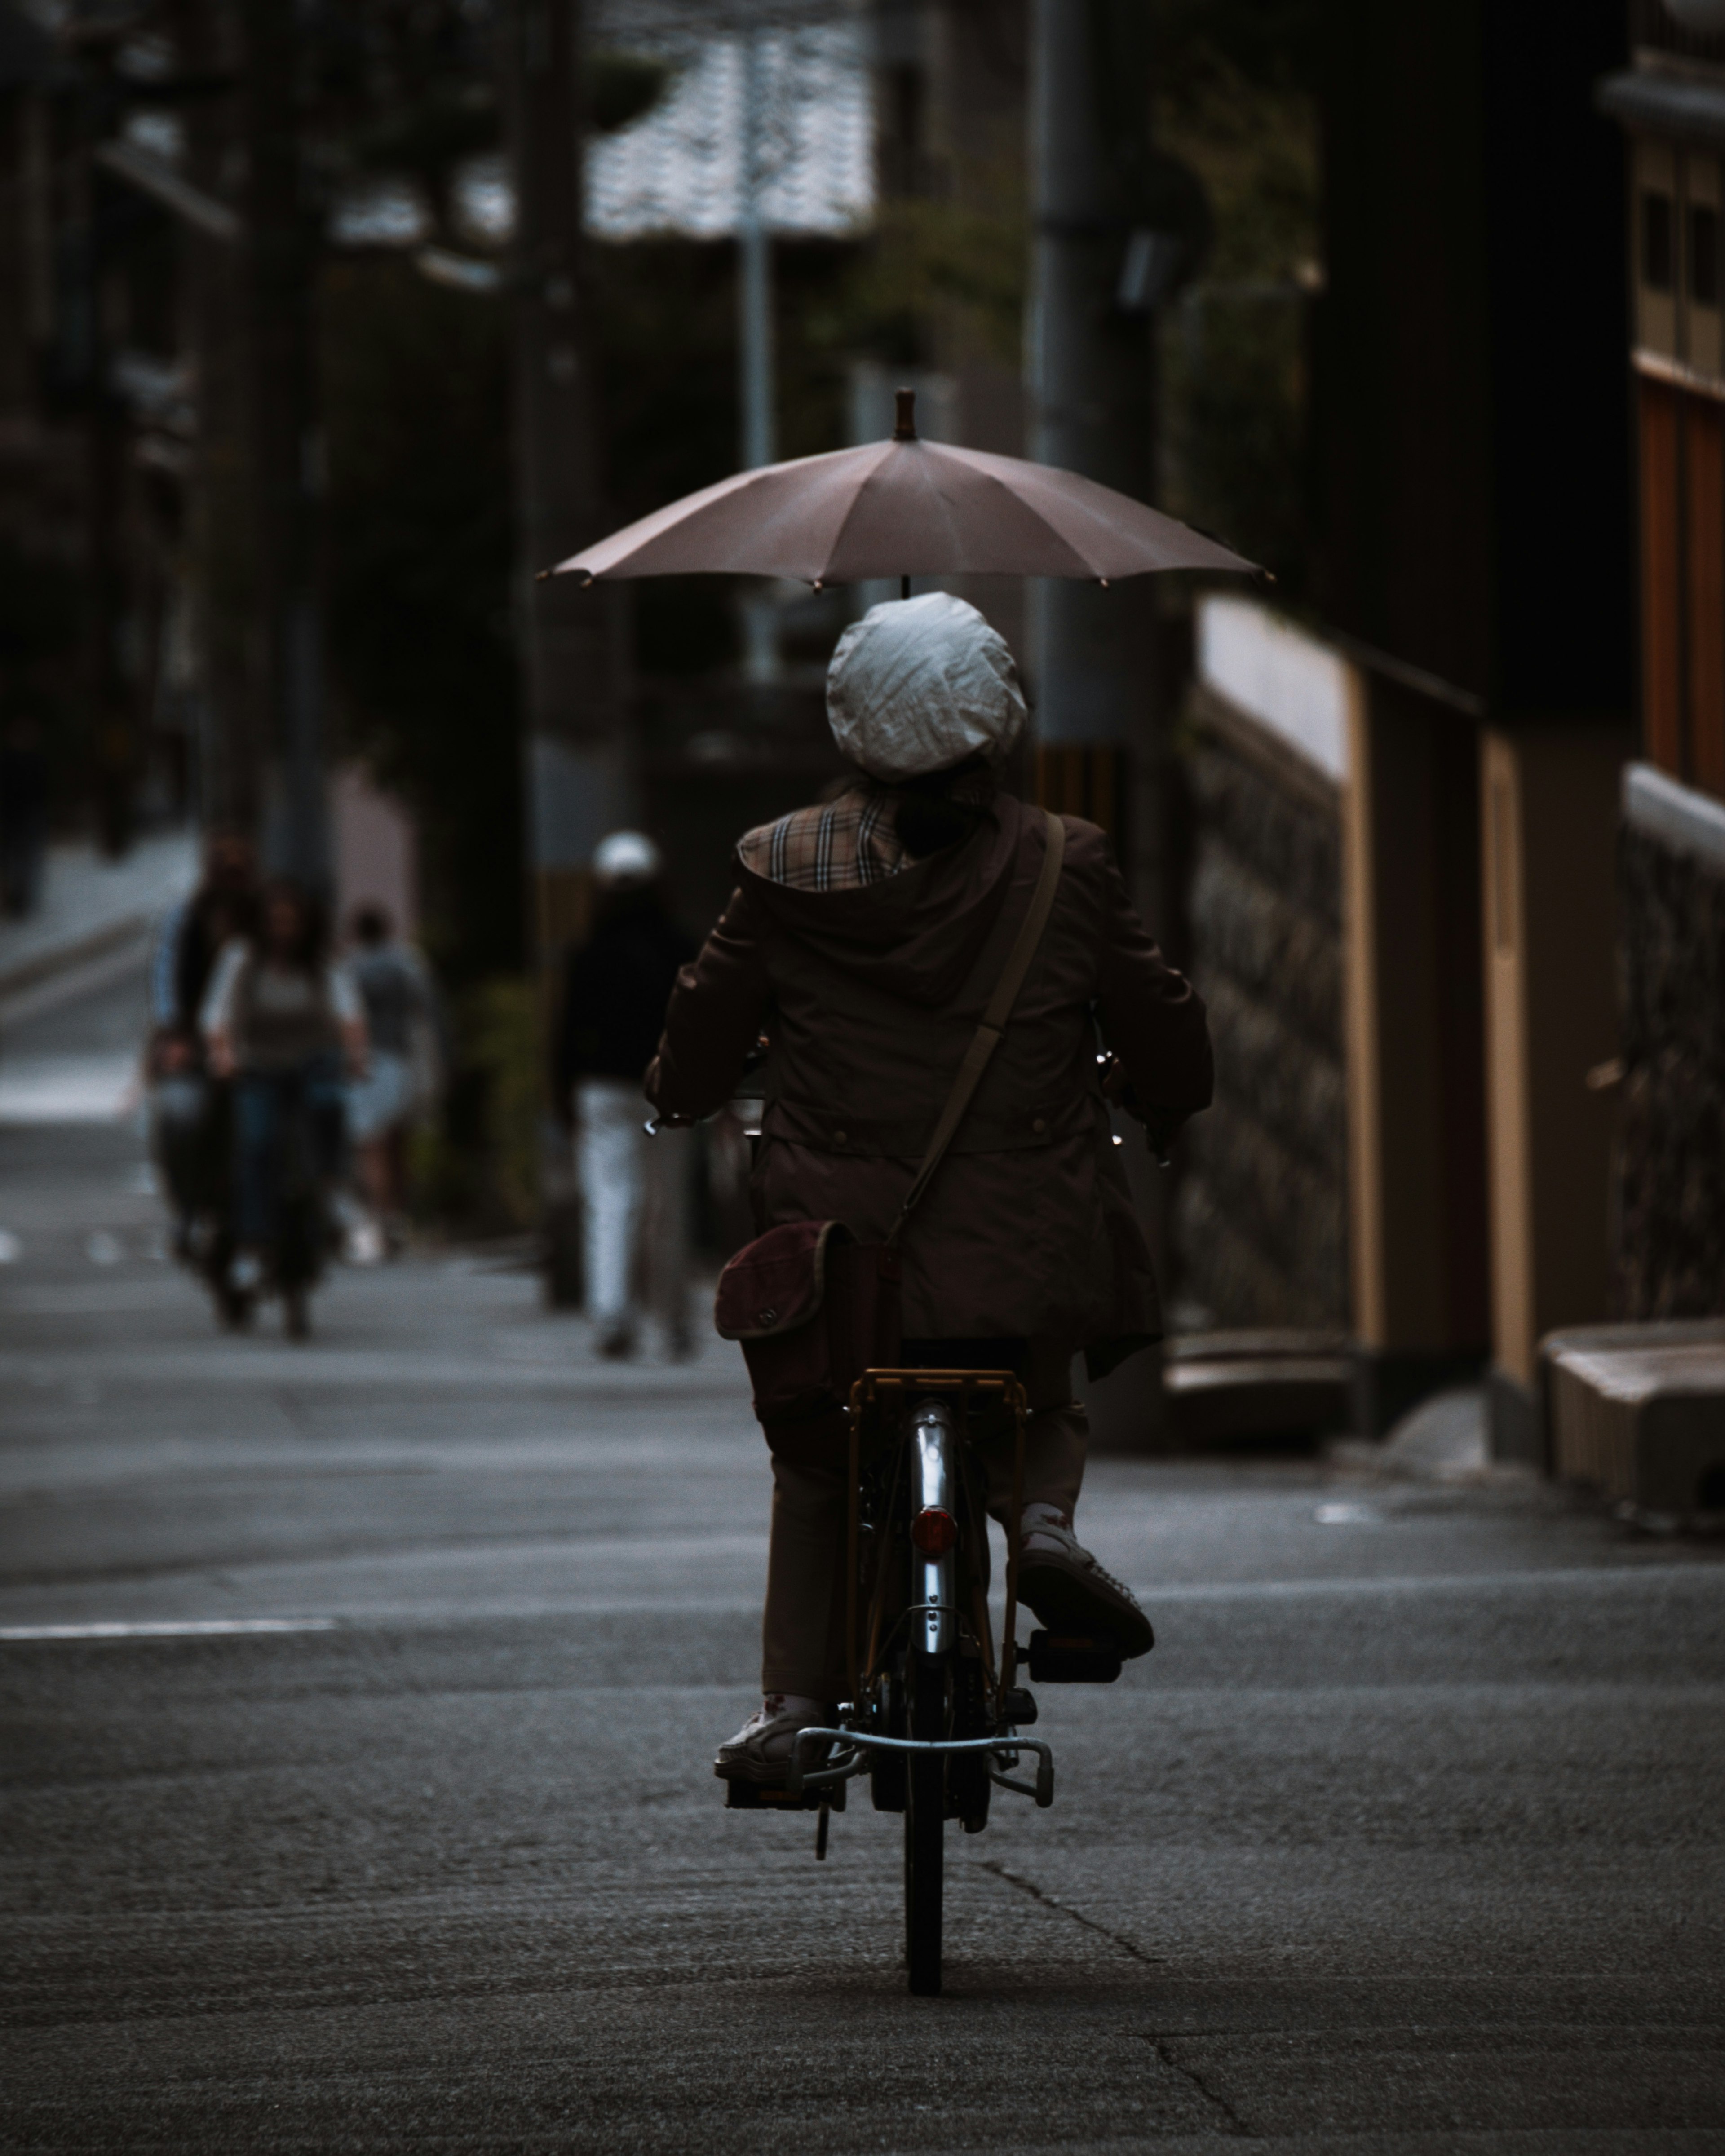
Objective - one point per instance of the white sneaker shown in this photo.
(761, 1750)
(245, 1276)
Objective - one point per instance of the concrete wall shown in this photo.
(376, 850)
(1669, 1239)
(1261, 1221)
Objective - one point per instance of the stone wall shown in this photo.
(1259, 1226)
(1670, 1229)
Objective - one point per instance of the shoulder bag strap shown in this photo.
(987, 1037)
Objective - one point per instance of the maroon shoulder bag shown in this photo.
(814, 1308)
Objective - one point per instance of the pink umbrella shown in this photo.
(904, 508)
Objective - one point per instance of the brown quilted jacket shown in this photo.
(869, 998)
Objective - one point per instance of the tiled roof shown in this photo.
(682, 167)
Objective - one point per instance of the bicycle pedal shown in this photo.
(1073, 1658)
(763, 1797)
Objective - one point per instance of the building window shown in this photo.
(1656, 241)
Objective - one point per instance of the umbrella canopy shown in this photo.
(903, 508)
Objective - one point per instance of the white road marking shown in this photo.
(169, 1629)
(68, 1089)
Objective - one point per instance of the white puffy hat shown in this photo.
(626, 857)
(918, 685)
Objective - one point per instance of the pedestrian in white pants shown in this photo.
(634, 1190)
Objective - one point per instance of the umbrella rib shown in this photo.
(931, 456)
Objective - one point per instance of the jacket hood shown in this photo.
(917, 934)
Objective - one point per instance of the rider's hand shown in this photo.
(221, 1055)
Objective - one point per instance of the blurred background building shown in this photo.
(325, 329)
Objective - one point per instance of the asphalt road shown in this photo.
(1406, 1838)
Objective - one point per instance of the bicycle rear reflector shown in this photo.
(934, 1531)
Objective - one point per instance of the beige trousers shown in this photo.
(802, 1630)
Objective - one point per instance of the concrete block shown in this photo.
(1223, 1385)
(1639, 1413)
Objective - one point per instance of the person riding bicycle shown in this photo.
(280, 1018)
(864, 937)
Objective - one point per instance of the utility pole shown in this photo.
(221, 532)
(81, 374)
(1092, 652)
(1090, 383)
(755, 339)
(287, 474)
(578, 782)
(577, 778)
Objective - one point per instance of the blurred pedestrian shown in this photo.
(634, 1191)
(23, 815)
(190, 938)
(408, 1054)
(187, 1112)
(281, 1019)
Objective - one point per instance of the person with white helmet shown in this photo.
(866, 938)
(613, 1004)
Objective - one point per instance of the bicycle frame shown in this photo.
(936, 1461)
(931, 1444)
(934, 1473)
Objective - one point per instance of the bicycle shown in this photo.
(933, 1720)
(303, 1143)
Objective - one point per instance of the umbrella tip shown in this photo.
(905, 425)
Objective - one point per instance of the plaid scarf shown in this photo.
(845, 843)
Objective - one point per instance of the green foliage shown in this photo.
(500, 1046)
(420, 546)
(1233, 425)
(962, 257)
(1237, 108)
(1274, 45)
(1255, 149)
(476, 1165)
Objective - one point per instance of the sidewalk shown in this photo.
(90, 907)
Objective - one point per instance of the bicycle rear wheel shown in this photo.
(924, 1825)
